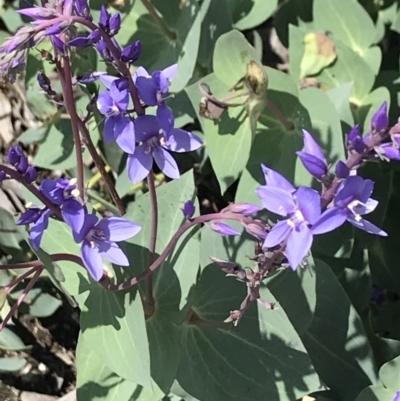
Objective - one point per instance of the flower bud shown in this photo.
(188, 209)
(244, 208)
(255, 230)
(115, 24)
(104, 20)
(31, 174)
(222, 228)
(14, 155)
(341, 170)
(380, 119)
(132, 52)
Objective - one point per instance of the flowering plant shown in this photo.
(169, 183)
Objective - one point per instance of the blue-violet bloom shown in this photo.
(350, 203)
(222, 228)
(113, 104)
(302, 208)
(188, 209)
(155, 143)
(39, 218)
(397, 396)
(64, 193)
(380, 120)
(99, 241)
(154, 89)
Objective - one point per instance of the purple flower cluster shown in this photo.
(148, 137)
(98, 238)
(17, 158)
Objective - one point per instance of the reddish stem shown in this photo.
(157, 263)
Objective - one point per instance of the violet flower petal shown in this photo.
(146, 90)
(166, 163)
(367, 189)
(125, 133)
(309, 203)
(331, 219)
(179, 140)
(52, 191)
(89, 222)
(92, 260)
(298, 245)
(105, 102)
(274, 179)
(164, 78)
(365, 225)
(188, 209)
(278, 233)
(166, 117)
(107, 80)
(390, 151)
(117, 228)
(73, 214)
(276, 200)
(38, 228)
(397, 396)
(145, 127)
(109, 128)
(139, 164)
(113, 253)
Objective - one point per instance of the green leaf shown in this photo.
(376, 393)
(223, 362)
(159, 51)
(336, 341)
(38, 303)
(9, 341)
(11, 364)
(214, 24)
(228, 141)
(173, 281)
(57, 152)
(347, 20)
(373, 56)
(325, 129)
(114, 327)
(231, 54)
(319, 52)
(96, 382)
(11, 235)
(274, 145)
(248, 15)
(389, 374)
(349, 67)
(340, 98)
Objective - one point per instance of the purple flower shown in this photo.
(17, 158)
(63, 192)
(222, 228)
(103, 50)
(154, 143)
(341, 170)
(188, 209)
(59, 45)
(132, 52)
(380, 120)
(274, 179)
(389, 150)
(113, 104)
(301, 208)
(355, 141)
(397, 396)
(39, 218)
(99, 241)
(154, 89)
(110, 24)
(312, 157)
(351, 202)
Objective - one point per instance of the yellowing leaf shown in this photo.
(319, 52)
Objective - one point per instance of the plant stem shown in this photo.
(14, 174)
(20, 278)
(64, 73)
(100, 166)
(158, 20)
(153, 236)
(186, 226)
(279, 115)
(21, 297)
